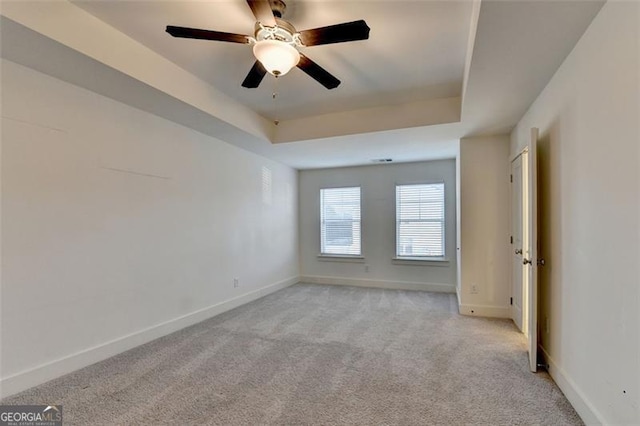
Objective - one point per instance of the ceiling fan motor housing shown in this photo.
(283, 31)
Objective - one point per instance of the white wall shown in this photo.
(588, 117)
(120, 226)
(378, 226)
(484, 226)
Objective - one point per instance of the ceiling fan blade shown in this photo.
(340, 33)
(262, 11)
(183, 32)
(255, 76)
(318, 73)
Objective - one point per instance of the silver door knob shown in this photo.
(518, 251)
(526, 262)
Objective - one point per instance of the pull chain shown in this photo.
(274, 96)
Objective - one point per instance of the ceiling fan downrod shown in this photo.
(278, 8)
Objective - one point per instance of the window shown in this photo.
(340, 221)
(420, 220)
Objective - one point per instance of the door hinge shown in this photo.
(511, 300)
(511, 178)
(511, 239)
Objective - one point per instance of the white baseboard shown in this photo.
(393, 285)
(586, 410)
(53, 369)
(485, 311)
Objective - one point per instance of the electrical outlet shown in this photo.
(366, 268)
(236, 282)
(474, 288)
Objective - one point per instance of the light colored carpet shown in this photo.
(312, 354)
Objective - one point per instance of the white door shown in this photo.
(524, 257)
(517, 244)
(530, 255)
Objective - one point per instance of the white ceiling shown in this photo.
(411, 69)
(416, 50)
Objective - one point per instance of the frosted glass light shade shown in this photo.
(277, 57)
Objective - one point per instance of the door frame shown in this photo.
(516, 195)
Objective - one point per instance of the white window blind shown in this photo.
(340, 229)
(420, 220)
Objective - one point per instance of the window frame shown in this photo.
(339, 256)
(414, 259)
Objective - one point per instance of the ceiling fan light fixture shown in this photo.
(277, 57)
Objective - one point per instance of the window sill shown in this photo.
(340, 258)
(421, 261)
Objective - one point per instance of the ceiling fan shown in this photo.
(276, 42)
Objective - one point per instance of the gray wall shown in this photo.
(378, 227)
